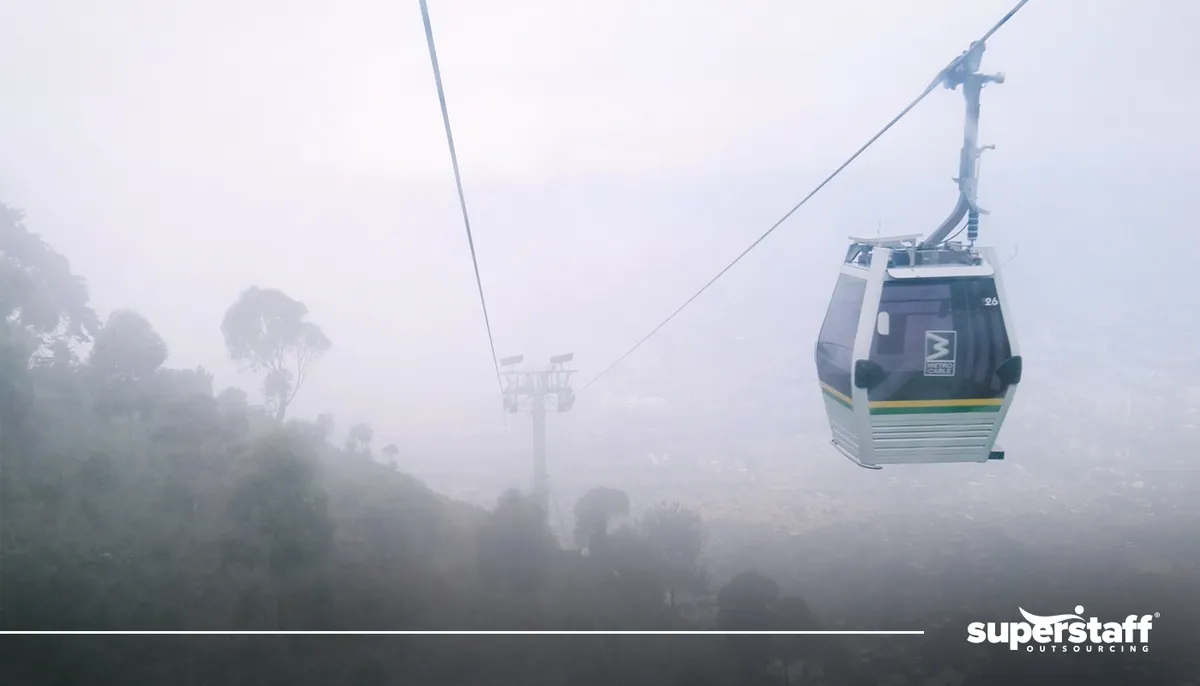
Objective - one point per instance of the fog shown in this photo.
(615, 156)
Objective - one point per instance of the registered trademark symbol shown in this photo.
(1157, 615)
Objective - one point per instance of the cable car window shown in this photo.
(835, 344)
(946, 338)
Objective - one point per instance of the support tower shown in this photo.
(538, 387)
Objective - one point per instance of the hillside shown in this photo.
(134, 497)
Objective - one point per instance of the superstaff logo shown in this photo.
(1069, 633)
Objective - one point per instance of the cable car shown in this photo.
(917, 358)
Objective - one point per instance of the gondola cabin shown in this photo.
(916, 358)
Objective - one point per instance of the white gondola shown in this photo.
(917, 358)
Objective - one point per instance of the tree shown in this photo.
(42, 303)
(38, 291)
(593, 514)
(180, 382)
(677, 536)
(267, 330)
(793, 614)
(61, 355)
(325, 424)
(16, 385)
(391, 452)
(358, 439)
(278, 518)
(638, 575)
(744, 604)
(127, 348)
(515, 546)
(233, 399)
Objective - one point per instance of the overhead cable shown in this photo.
(462, 199)
(871, 141)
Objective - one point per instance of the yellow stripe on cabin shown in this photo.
(915, 404)
(836, 393)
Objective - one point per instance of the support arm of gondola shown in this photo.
(964, 71)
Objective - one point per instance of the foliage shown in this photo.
(594, 512)
(43, 308)
(267, 330)
(325, 424)
(16, 391)
(677, 536)
(151, 504)
(127, 349)
(278, 519)
(279, 503)
(515, 546)
(38, 291)
(358, 439)
(234, 399)
(745, 604)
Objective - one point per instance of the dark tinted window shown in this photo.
(945, 339)
(835, 345)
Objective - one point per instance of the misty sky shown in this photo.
(616, 154)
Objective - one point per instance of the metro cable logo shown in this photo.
(941, 346)
(1067, 633)
(940, 349)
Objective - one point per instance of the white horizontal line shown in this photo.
(462, 633)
